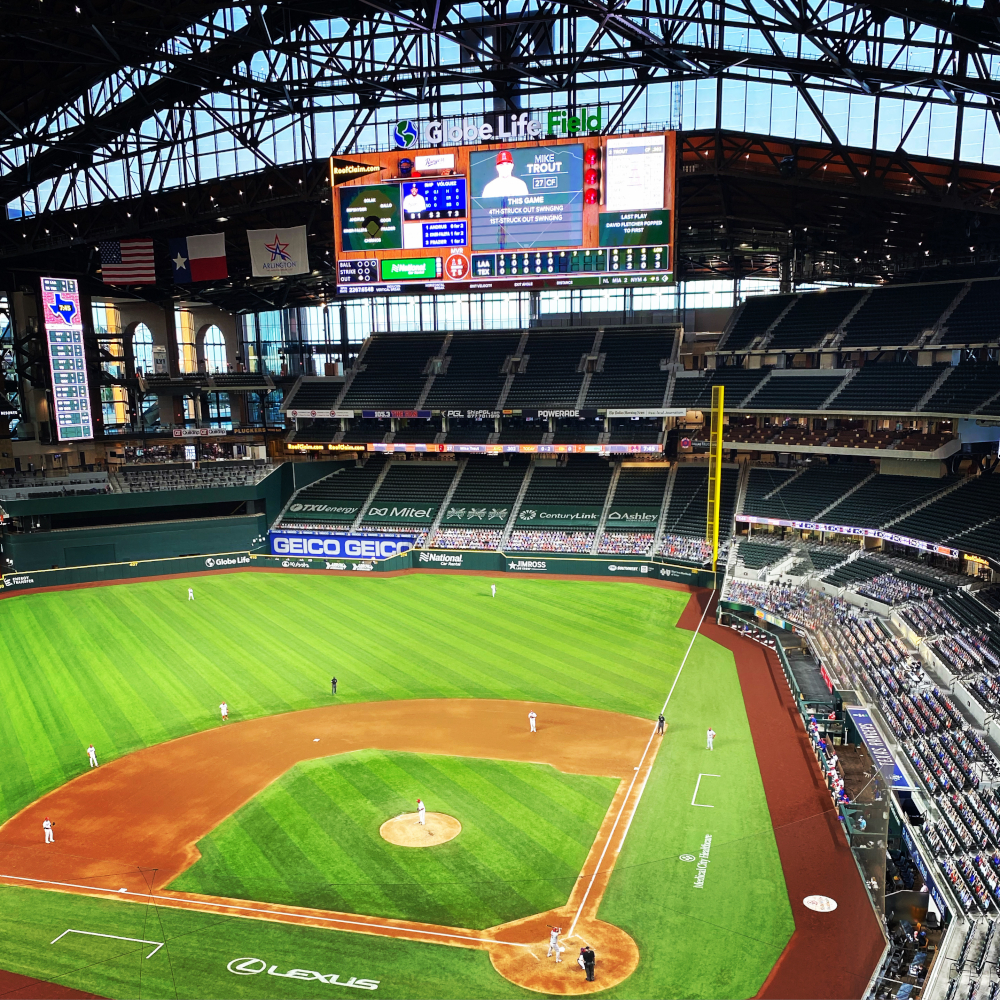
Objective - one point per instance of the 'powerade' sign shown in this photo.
(289, 543)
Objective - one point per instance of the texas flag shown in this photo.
(199, 258)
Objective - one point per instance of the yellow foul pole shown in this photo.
(715, 472)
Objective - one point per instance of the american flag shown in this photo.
(127, 262)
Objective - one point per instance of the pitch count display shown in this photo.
(596, 211)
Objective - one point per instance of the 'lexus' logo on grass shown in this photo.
(255, 966)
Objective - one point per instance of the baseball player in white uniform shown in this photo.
(47, 827)
(421, 812)
(531, 721)
(554, 945)
(190, 593)
(493, 588)
(711, 736)
(224, 709)
(92, 754)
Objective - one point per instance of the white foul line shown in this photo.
(117, 937)
(702, 805)
(600, 860)
(175, 900)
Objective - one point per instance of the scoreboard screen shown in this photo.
(533, 213)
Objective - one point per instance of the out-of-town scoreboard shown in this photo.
(512, 209)
(63, 323)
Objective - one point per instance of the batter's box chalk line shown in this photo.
(117, 937)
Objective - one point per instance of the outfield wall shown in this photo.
(435, 559)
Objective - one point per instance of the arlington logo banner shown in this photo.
(274, 252)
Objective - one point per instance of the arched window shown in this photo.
(215, 350)
(142, 348)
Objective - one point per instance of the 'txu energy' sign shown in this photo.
(288, 543)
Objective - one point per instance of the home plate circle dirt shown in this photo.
(405, 831)
(530, 967)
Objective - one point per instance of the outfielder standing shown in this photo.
(190, 593)
(224, 710)
(493, 588)
(92, 754)
(711, 736)
(531, 721)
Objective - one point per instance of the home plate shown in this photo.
(821, 904)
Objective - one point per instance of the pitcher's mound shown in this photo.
(407, 832)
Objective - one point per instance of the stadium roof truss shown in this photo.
(112, 99)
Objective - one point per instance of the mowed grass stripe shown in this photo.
(132, 665)
(312, 838)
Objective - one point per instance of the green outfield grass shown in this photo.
(130, 666)
(312, 839)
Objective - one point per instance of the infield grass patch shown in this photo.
(311, 838)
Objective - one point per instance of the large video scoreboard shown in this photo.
(539, 213)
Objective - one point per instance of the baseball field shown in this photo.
(216, 859)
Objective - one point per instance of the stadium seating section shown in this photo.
(158, 478)
(968, 389)
(812, 318)
(348, 487)
(413, 485)
(883, 499)
(631, 374)
(695, 391)
(490, 484)
(898, 315)
(974, 320)
(392, 371)
(640, 488)
(473, 379)
(804, 496)
(549, 375)
(752, 321)
(794, 392)
(685, 514)
(893, 388)
(581, 482)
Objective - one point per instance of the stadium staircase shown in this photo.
(834, 339)
(603, 520)
(753, 392)
(664, 507)
(462, 463)
(355, 370)
(933, 498)
(937, 383)
(516, 509)
(588, 376)
(434, 370)
(508, 384)
(741, 488)
(840, 388)
(356, 523)
(942, 324)
(765, 338)
(843, 497)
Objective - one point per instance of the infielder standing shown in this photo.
(554, 945)
(711, 736)
(190, 593)
(224, 709)
(531, 721)
(47, 827)
(92, 754)
(421, 812)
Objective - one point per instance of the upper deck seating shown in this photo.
(898, 315)
(393, 375)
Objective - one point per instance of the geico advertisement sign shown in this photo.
(255, 966)
(334, 546)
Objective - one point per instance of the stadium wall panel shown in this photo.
(475, 562)
(114, 544)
